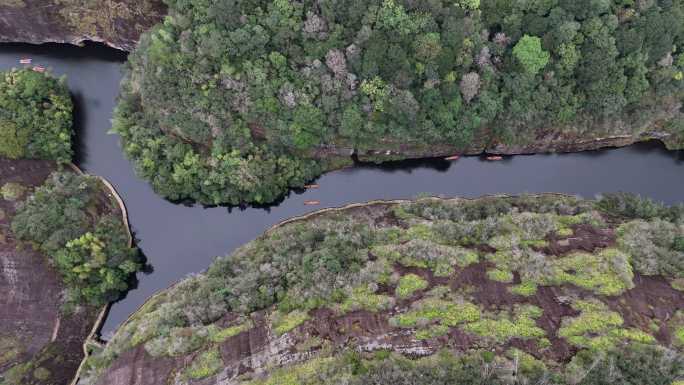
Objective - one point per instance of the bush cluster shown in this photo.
(90, 248)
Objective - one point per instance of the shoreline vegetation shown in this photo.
(69, 228)
(551, 280)
(236, 103)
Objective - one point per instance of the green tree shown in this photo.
(530, 54)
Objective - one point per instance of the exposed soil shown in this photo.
(584, 238)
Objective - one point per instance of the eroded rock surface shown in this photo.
(117, 23)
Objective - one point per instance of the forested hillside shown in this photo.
(499, 290)
(65, 249)
(230, 101)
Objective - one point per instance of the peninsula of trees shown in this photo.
(227, 102)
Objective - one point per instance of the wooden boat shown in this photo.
(25, 61)
(312, 203)
(453, 157)
(311, 186)
(494, 157)
(39, 69)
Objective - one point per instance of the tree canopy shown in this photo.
(35, 116)
(235, 101)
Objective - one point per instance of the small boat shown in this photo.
(453, 157)
(39, 69)
(312, 203)
(494, 157)
(311, 186)
(25, 61)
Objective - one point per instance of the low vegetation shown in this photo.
(492, 292)
(35, 116)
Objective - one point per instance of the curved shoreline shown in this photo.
(91, 339)
(324, 211)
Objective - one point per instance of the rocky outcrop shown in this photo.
(256, 351)
(117, 23)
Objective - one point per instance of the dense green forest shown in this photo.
(553, 285)
(69, 219)
(227, 101)
(35, 116)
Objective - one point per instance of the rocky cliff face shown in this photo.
(417, 294)
(117, 23)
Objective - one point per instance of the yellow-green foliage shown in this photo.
(41, 373)
(205, 364)
(446, 312)
(409, 284)
(607, 273)
(676, 325)
(525, 288)
(500, 275)
(432, 331)
(12, 191)
(283, 323)
(363, 298)
(678, 284)
(501, 328)
(13, 3)
(296, 374)
(527, 364)
(10, 348)
(224, 334)
(598, 328)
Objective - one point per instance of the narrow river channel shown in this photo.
(179, 240)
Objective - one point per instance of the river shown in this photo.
(179, 240)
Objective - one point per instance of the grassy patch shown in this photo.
(363, 298)
(447, 313)
(12, 191)
(598, 328)
(607, 273)
(501, 328)
(205, 364)
(283, 323)
(525, 288)
(223, 334)
(409, 284)
(499, 275)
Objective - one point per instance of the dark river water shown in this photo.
(179, 240)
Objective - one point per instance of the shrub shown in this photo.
(205, 364)
(654, 247)
(409, 284)
(283, 323)
(12, 191)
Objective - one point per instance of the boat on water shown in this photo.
(311, 186)
(39, 69)
(453, 157)
(25, 61)
(494, 157)
(312, 203)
